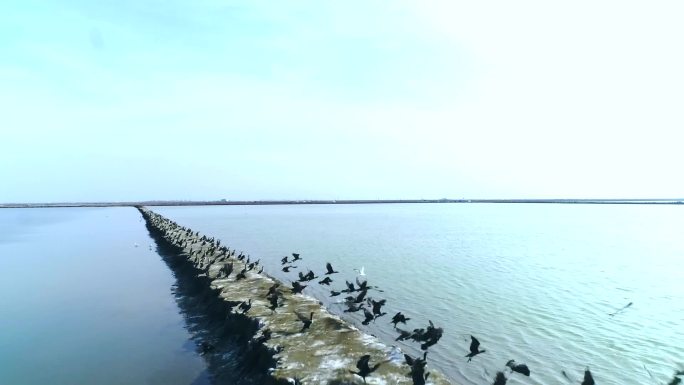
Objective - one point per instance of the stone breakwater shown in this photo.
(325, 353)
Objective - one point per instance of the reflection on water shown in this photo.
(81, 304)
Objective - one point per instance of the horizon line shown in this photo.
(225, 202)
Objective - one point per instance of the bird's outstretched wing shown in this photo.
(474, 344)
(328, 267)
(363, 362)
(409, 360)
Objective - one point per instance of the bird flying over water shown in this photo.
(369, 317)
(364, 369)
(500, 379)
(325, 281)
(329, 269)
(295, 257)
(518, 368)
(399, 318)
(306, 321)
(474, 348)
(297, 287)
(588, 378)
(287, 268)
(283, 260)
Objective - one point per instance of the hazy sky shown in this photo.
(130, 99)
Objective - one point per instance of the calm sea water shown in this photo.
(81, 304)
(534, 283)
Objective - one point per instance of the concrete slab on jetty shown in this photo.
(326, 353)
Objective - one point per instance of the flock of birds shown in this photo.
(357, 300)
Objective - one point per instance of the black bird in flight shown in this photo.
(500, 379)
(518, 368)
(297, 287)
(364, 369)
(329, 267)
(325, 281)
(399, 318)
(369, 317)
(334, 293)
(403, 335)
(417, 365)
(283, 260)
(287, 268)
(474, 348)
(306, 321)
(295, 257)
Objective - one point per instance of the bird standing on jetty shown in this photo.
(329, 269)
(474, 348)
(306, 321)
(518, 368)
(364, 369)
(245, 306)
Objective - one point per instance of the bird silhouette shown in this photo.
(245, 306)
(474, 348)
(287, 268)
(417, 365)
(403, 335)
(518, 368)
(350, 287)
(588, 378)
(306, 321)
(500, 379)
(283, 261)
(676, 380)
(364, 369)
(369, 317)
(329, 269)
(241, 275)
(325, 281)
(334, 293)
(297, 287)
(295, 257)
(399, 318)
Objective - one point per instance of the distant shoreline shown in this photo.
(339, 202)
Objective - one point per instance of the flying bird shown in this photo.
(325, 281)
(474, 348)
(500, 379)
(295, 257)
(518, 368)
(306, 321)
(399, 318)
(364, 369)
(329, 269)
(588, 378)
(361, 271)
(297, 287)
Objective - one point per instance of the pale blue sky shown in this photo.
(213, 99)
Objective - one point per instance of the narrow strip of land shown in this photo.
(338, 202)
